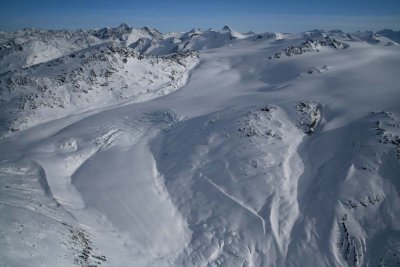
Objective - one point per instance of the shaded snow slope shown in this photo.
(256, 161)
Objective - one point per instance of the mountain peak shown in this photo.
(226, 28)
(234, 34)
(123, 25)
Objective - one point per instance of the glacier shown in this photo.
(131, 147)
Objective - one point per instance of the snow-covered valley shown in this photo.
(129, 147)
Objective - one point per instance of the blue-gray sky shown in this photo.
(181, 15)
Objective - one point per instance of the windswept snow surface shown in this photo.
(258, 150)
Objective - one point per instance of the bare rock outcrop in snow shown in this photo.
(309, 115)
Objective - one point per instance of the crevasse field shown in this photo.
(129, 147)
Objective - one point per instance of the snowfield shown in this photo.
(129, 147)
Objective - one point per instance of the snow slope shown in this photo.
(29, 47)
(257, 159)
(98, 76)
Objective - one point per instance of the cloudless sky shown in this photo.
(182, 15)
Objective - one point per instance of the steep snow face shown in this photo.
(159, 232)
(234, 175)
(354, 177)
(256, 160)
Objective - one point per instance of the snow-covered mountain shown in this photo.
(28, 47)
(130, 147)
(196, 39)
(98, 76)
